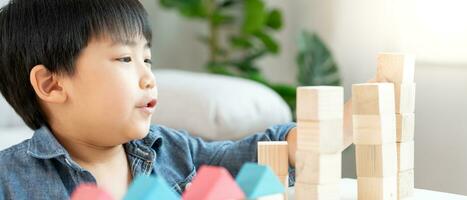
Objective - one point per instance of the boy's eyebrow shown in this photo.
(130, 43)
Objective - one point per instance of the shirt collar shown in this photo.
(146, 147)
(44, 145)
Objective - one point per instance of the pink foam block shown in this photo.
(90, 192)
(213, 183)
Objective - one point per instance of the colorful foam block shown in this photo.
(258, 181)
(150, 187)
(90, 192)
(213, 183)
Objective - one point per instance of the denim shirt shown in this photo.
(40, 168)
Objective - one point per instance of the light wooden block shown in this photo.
(376, 160)
(377, 188)
(405, 127)
(374, 129)
(284, 180)
(325, 136)
(274, 154)
(373, 99)
(396, 67)
(314, 168)
(405, 184)
(320, 102)
(405, 155)
(405, 97)
(273, 197)
(317, 192)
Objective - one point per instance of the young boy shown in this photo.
(78, 72)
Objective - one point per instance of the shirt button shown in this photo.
(187, 186)
(68, 162)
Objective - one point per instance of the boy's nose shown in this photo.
(147, 81)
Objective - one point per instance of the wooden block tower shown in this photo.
(319, 142)
(399, 69)
(374, 131)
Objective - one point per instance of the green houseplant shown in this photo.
(240, 32)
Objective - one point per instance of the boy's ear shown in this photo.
(47, 85)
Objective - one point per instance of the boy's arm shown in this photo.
(233, 154)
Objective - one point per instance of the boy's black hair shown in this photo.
(53, 33)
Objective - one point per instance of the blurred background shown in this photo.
(283, 44)
(354, 32)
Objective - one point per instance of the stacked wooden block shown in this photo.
(275, 154)
(374, 131)
(399, 69)
(319, 142)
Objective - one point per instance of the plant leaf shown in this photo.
(274, 20)
(315, 62)
(188, 8)
(240, 42)
(270, 44)
(255, 16)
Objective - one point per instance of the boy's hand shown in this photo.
(292, 143)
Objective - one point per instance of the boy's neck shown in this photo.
(90, 155)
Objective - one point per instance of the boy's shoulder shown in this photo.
(13, 153)
(13, 161)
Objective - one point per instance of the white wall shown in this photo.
(356, 31)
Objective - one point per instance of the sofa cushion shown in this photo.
(216, 107)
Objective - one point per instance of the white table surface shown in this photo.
(349, 192)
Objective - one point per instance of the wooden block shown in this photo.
(314, 168)
(405, 184)
(405, 127)
(325, 136)
(274, 154)
(405, 97)
(90, 191)
(377, 188)
(272, 197)
(376, 160)
(396, 67)
(258, 181)
(373, 99)
(284, 180)
(405, 155)
(150, 187)
(213, 183)
(320, 102)
(374, 129)
(317, 192)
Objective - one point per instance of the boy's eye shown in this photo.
(149, 61)
(124, 59)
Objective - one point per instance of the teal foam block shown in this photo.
(150, 187)
(258, 180)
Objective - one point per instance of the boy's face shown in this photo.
(112, 94)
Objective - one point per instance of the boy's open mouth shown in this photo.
(148, 106)
(152, 103)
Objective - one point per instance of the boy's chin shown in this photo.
(139, 132)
